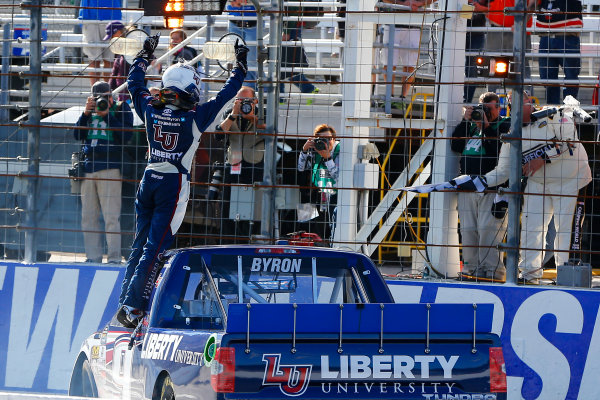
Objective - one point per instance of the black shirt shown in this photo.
(478, 151)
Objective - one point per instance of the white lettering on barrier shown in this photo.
(541, 355)
(469, 296)
(591, 371)
(56, 315)
(406, 294)
(2, 275)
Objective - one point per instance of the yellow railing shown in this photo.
(420, 218)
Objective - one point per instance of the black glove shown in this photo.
(150, 44)
(241, 56)
(499, 207)
(470, 183)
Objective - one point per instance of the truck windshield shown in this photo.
(197, 293)
(284, 279)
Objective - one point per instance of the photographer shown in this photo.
(320, 156)
(482, 222)
(100, 128)
(245, 152)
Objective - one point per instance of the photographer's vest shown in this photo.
(320, 174)
(474, 146)
(249, 148)
(100, 129)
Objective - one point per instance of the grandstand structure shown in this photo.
(404, 232)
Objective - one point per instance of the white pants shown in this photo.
(480, 229)
(94, 33)
(99, 195)
(537, 213)
(409, 41)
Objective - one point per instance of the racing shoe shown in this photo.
(129, 317)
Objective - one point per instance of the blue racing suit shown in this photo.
(173, 136)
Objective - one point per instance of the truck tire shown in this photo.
(83, 383)
(166, 391)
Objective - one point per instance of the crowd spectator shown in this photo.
(116, 29)
(408, 38)
(102, 129)
(503, 41)
(482, 222)
(294, 57)
(556, 166)
(320, 157)
(245, 153)
(340, 32)
(97, 12)
(246, 28)
(186, 53)
(555, 17)
(474, 42)
(174, 125)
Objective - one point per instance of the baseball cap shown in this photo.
(101, 88)
(113, 27)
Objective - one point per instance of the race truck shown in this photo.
(278, 322)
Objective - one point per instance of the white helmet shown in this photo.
(185, 81)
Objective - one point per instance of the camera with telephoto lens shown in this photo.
(321, 144)
(77, 170)
(101, 103)
(478, 112)
(214, 189)
(247, 106)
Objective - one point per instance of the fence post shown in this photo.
(33, 135)
(513, 233)
(272, 89)
(4, 80)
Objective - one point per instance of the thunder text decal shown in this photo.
(291, 379)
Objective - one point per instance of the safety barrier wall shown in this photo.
(47, 311)
(550, 336)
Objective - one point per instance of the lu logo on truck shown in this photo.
(293, 380)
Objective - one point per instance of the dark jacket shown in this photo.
(186, 53)
(103, 147)
(552, 14)
(479, 154)
(174, 134)
(121, 69)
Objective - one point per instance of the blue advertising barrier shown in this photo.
(47, 311)
(551, 336)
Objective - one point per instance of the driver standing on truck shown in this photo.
(174, 123)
